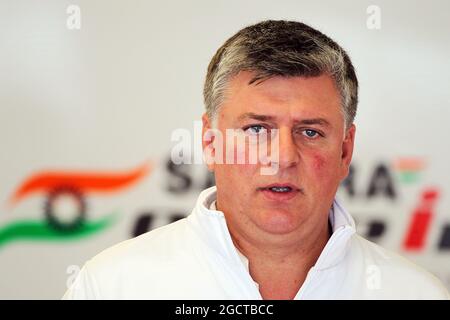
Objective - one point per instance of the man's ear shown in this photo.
(208, 142)
(347, 150)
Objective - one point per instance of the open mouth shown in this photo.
(280, 191)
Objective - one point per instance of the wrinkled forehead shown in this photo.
(280, 96)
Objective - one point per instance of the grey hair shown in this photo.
(280, 48)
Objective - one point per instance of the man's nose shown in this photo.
(288, 155)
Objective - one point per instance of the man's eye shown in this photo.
(255, 130)
(310, 133)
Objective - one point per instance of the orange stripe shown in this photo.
(409, 164)
(84, 181)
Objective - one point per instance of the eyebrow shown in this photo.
(251, 115)
(261, 117)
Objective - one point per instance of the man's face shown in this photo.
(314, 152)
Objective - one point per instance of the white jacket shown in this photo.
(194, 258)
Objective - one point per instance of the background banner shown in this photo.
(91, 92)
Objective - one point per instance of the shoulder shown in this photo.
(397, 277)
(157, 247)
(129, 268)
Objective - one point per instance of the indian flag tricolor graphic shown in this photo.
(66, 187)
(408, 169)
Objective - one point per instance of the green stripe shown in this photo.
(41, 231)
(409, 176)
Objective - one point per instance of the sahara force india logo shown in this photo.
(422, 213)
(65, 211)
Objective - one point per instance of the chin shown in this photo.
(278, 222)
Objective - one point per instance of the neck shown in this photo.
(280, 263)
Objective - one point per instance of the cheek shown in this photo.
(245, 155)
(235, 174)
(319, 162)
(324, 166)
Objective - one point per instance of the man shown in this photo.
(277, 234)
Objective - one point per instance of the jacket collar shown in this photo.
(213, 227)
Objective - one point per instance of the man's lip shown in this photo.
(280, 196)
(281, 185)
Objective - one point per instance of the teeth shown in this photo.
(280, 189)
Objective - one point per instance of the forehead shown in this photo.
(297, 96)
